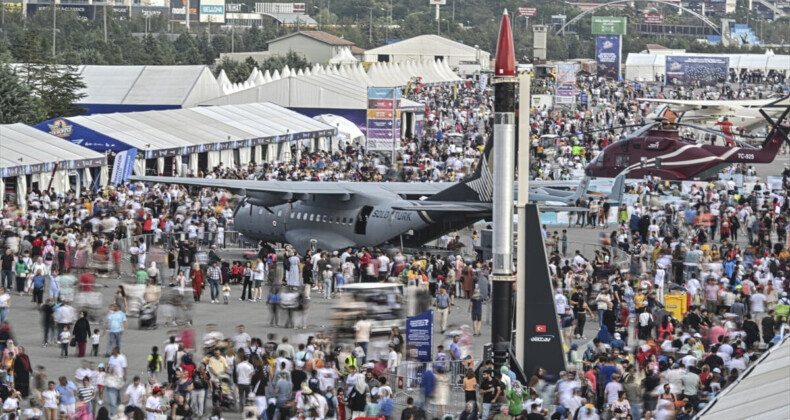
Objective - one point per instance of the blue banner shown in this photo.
(80, 135)
(607, 56)
(704, 71)
(123, 166)
(419, 336)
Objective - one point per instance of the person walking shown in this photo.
(442, 304)
(116, 325)
(198, 280)
(214, 274)
(81, 332)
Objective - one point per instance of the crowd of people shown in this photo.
(725, 249)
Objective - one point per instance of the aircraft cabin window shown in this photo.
(337, 220)
(298, 215)
(293, 215)
(323, 219)
(312, 217)
(279, 213)
(260, 212)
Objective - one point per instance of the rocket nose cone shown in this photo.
(505, 63)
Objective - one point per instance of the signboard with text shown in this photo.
(704, 71)
(419, 336)
(178, 10)
(655, 18)
(383, 116)
(527, 12)
(602, 25)
(212, 11)
(607, 56)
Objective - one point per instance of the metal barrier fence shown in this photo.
(407, 382)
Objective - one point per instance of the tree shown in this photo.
(17, 104)
(58, 89)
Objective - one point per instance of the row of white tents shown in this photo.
(429, 72)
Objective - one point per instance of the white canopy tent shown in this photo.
(25, 150)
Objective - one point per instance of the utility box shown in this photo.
(676, 304)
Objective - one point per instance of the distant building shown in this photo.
(430, 47)
(315, 46)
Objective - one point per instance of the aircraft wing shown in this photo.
(462, 207)
(448, 206)
(289, 189)
(713, 106)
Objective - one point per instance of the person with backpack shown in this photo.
(154, 362)
(331, 404)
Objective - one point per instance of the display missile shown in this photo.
(504, 81)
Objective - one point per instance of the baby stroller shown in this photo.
(223, 395)
(147, 320)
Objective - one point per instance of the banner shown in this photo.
(419, 336)
(383, 127)
(608, 25)
(653, 18)
(608, 50)
(212, 11)
(178, 10)
(123, 166)
(704, 71)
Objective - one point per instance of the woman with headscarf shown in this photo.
(81, 332)
(603, 335)
(22, 371)
(357, 398)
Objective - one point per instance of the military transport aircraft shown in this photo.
(337, 215)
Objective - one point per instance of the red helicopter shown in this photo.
(658, 150)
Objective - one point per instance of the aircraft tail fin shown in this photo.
(477, 187)
(580, 192)
(780, 131)
(618, 190)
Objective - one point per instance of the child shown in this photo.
(99, 378)
(65, 339)
(95, 340)
(154, 362)
(226, 292)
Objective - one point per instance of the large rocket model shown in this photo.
(504, 81)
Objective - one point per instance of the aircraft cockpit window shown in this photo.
(279, 213)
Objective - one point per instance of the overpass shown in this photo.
(778, 11)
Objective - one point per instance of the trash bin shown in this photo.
(676, 304)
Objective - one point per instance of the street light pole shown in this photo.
(370, 30)
(54, 26)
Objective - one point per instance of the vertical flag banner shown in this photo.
(607, 56)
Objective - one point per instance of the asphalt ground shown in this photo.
(25, 318)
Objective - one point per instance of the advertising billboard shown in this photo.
(178, 9)
(704, 71)
(527, 12)
(419, 336)
(212, 11)
(653, 18)
(602, 25)
(608, 50)
(84, 11)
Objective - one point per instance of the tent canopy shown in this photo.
(344, 127)
(26, 150)
(203, 128)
